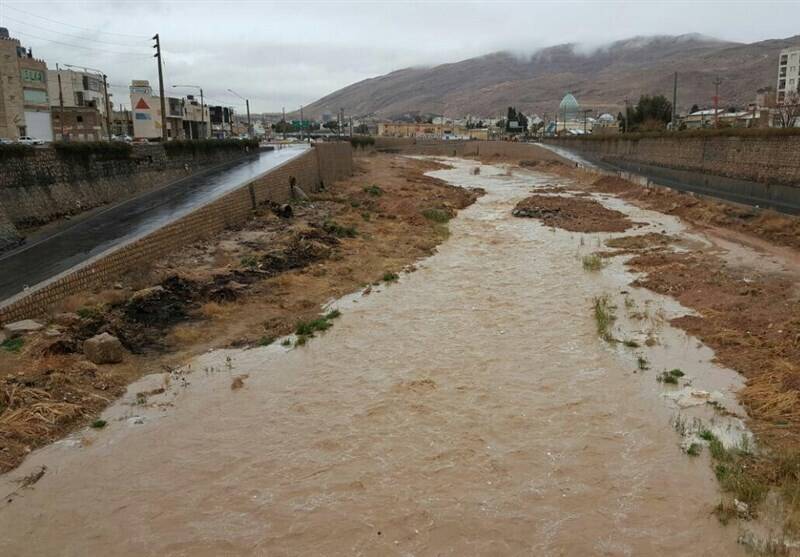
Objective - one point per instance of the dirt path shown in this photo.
(468, 408)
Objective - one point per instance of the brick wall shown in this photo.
(768, 160)
(324, 164)
(44, 186)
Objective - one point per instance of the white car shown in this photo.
(25, 140)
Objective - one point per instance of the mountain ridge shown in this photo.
(600, 77)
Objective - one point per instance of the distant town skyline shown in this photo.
(288, 54)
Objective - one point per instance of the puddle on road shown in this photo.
(468, 409)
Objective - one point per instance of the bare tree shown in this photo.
(787, 113)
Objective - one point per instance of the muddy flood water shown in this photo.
(468, 409)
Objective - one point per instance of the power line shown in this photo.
(133, 54)
(19, 21)
(143, 37)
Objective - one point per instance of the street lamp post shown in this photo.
(204, 131)
(105, 94)
(247, 104)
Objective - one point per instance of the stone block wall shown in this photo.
(763, 159)
(324, 164)
(44, 186)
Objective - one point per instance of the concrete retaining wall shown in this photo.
(44, 185)
(324, 164)
(766, 159)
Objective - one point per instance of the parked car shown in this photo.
(4, 141)
(26, 140)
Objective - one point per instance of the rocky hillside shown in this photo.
(600, 79)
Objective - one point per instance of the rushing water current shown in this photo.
(469, 409)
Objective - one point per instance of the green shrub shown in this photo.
(12, 344)
(15, 151)
(362, 141)
(85, 151)
(437, 215)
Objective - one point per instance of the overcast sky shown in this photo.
(291, 53)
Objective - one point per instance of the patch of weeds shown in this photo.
(98, 424)
(306, 329)
(670, 376)
(249, 262)
(266, 341)
(734, 474)
(642, 363)
(90, 312)
(390, 276)
(630, 343)
(355, 203)
(604, 317)
(366, 216)
(286, 342)
(592, 262)
(706, 435)
(13, 344)
(373, 190)
(694, 449)
(437, 215)
(629, 303)
(339, 230)
(333, 314)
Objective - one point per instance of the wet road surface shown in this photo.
(469, 409)
(32, 264)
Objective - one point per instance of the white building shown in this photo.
(788, 72)
(78, 89)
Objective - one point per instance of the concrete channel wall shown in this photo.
(753, 170)
(324, 164)
(43, 185)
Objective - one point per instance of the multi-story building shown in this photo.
(24, 106)
(221, 121)
(78, 123)
(186, 118)
(75, 89)
(788, 73)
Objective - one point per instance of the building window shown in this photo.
(782, 84)
(80, 119)
(34, 96)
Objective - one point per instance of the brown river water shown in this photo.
(469, 409)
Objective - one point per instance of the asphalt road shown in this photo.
(49, 256)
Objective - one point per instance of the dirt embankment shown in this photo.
(572, 213)
(245, 287)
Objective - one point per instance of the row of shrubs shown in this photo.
(119, 150)
(362, 141)
(719, 132)
(201, 146)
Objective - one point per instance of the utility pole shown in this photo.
(284, 123)
(675, 103)
(108, 109)
(249, 127)
(302, 123)
(60, 101)
(717, 81)
(351, 127)
(157, 55)
(627, 114)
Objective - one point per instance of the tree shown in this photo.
(651, 113)
(362, 128)
(283, 126)
(523, 121)
(694, 109)
(787, 113)
(333, 125)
